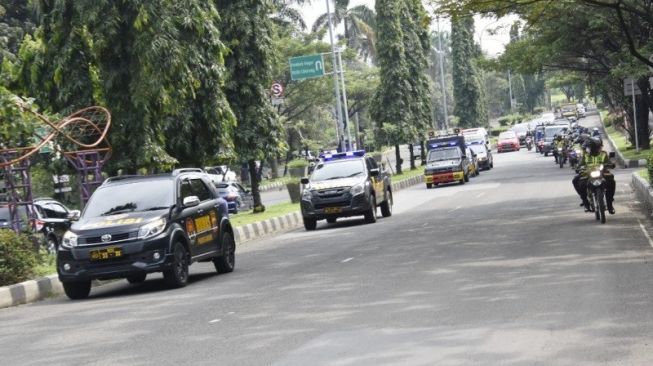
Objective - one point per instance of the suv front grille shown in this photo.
(319, 206)
(98, 239)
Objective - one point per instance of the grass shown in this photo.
(283, 180)
(558, 98)
(47, 267)
(644, 174)
(624, 146)
(407, 173)
(271, 211)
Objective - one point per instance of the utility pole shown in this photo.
(444, 88)
(510, 90)
(335, 77)
(344, 99)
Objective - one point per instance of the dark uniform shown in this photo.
(591, 161)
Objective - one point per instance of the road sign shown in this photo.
(306, 67)
(630, 86)
(277, 89)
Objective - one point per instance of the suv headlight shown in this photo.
(69, 240)
(357, 189)
(153, 228)
(307, 195)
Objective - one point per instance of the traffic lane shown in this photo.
(468, 288)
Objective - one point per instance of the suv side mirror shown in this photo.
(191, 201)
(304, 181)
(74, 215)
(375, 172)
(611, 155)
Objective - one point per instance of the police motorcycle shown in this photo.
(596, 191)
(529, 143)
(560, 153)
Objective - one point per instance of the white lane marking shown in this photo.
(347, 260)
(648, 237)
(455, 209)
(231, 313)
(214, 321)
(480, 195)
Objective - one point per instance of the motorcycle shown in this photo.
(560, 156)
(596, 193)
(529, 144)
(574, 156)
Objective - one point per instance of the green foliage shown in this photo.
(511, 119)
(17, 258)
(297, 163)
(16, 126)
(495, 132)
(470, 104)
(649, 167)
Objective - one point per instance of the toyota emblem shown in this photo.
(105, 238)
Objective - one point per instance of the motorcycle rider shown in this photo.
(558, 142)
(592, 159)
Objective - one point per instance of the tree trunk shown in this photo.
(411, 151)
(256, 195)
(274, 167)
(423, 153)
(398, 158)
(642, 123)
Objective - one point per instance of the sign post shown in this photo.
(306, 67)
(631, 88)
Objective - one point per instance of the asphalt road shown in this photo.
(505, 270)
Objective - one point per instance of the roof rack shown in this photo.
(120, 177)
(187, 170)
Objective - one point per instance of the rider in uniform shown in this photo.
(593, 159)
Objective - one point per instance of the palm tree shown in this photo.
(287, 16)
(360, 26)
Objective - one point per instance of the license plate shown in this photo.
(106, 254)
(332, 210)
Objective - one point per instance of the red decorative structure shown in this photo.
(80, 137)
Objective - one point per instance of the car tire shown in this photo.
(310, 224)
(139, 278)
(77, 290)
(332, 220)
(386, 206)
(429, 185)
(177, 275)
(370, 215)
(466, 178)
(227, 261)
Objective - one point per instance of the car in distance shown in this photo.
(136, 225)
(507, 141)
(344, 185)
(237, 197)
(483, 154)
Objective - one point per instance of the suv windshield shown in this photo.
(477, 149)
(338, 170)
(129, 197)
(452, 153)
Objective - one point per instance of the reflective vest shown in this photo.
(594, 161)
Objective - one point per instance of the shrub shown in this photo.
(17, 258)
(297, 163)
(538, 110)
(613, 120)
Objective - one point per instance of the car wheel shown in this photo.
(466, 177)
(310, 224)
(370, 215)
(386, 206)
(429, 185)
(139, 278)
(331, 220)
(227, 261)
(77, 290)
(177, 275)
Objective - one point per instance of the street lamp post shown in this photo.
(442, 82)
(335, 76)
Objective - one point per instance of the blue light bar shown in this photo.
(343, 155)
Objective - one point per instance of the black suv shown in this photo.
(343, 185)
(135, 225)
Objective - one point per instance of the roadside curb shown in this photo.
(643, 191)
(271, 187)
(626, 163)
(42, 288)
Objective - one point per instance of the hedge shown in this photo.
(17, 258)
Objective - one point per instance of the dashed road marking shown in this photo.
(347, 260)
(455, 209)
(214, 321)
(480, 195)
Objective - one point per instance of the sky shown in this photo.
(492, 44)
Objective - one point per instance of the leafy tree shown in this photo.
(359, 23)
(391, 105)
(247, 27)
(16, 21)
(284, 15)
(468, 93)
